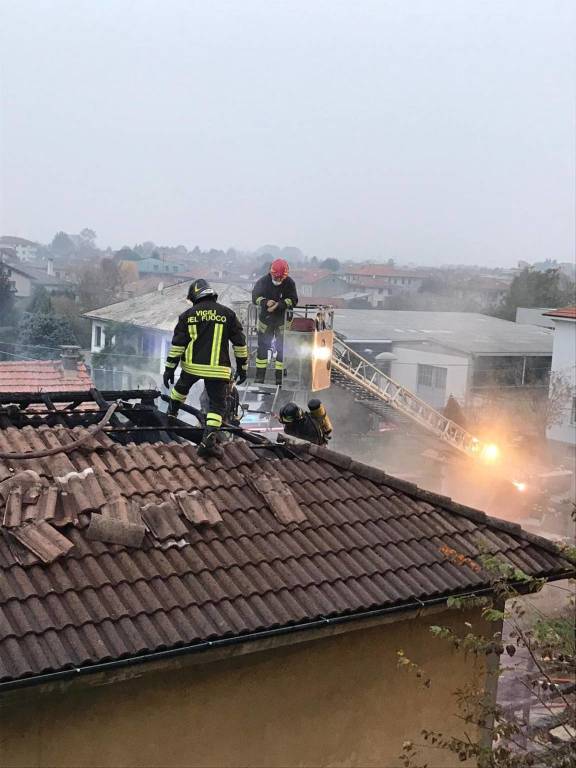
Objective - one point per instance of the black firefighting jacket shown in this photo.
(285, 294)
(201, 341)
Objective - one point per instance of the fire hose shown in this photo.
(92, 430)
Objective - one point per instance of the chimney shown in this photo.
(50, 267)
(70, 356)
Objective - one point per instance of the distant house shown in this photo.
(438, 354)
(25, 278)
(564, 374)
(66, 375)
(163, 266)
(535, 316)
(25, 249)
(160, 610)
(482, 291)
(379, 281)
(318, 282)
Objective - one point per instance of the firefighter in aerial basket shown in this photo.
(313, 425)
(275, 295)
(201, 346)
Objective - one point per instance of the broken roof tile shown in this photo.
(13, 509)
(42, 540)
(198, 508)
(115, 531)
(163, 520)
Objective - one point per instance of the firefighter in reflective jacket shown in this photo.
(201, 346)
(274, 293)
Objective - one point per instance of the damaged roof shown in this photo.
(110, 551)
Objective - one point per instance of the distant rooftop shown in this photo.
(467, 332)
(14, 241)
(159, 310)
(42, 376)
(39, 275)
(566, 313)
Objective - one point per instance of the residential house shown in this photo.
(438, 354)
(482, 291)
(563, 428)
(160, 609)
(26, 278)
(148, 321)
(382, 280)
(156, 265)
(311, 283)
(25, 249)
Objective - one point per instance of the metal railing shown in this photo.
(371, 384)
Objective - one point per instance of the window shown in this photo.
(97, 335)
(432, 376)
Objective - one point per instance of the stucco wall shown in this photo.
(405, 370)
(564, 364)
(339, 701)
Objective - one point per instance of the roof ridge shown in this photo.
(377, 475)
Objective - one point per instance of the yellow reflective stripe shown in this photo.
(207, 371)
(169, 364)
(193, 331)
(216, 345)
(279, 365)
(176, 351)
(260, 363)
(175, 395)
(288, 302)
(259, 299)
(213, 419)
(240, 351)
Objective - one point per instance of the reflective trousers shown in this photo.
(265, 342)
(216, 389)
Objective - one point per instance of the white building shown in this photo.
(25, 249)
(564, 374)
(438, 354)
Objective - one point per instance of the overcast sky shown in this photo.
(436, 131)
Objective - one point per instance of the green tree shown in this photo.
(332, 264)
(88, 235)
(40, 304)
(62, 244)
(7, 294)
(535, 289)
(46, 332)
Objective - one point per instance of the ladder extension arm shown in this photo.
(377, 386)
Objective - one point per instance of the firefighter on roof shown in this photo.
(274, 294)
(200, 345)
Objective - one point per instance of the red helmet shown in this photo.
(279, 269)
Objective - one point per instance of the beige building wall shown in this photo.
(339, 701)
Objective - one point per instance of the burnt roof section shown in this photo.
(121, 548)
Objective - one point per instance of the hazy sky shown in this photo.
(437, 131)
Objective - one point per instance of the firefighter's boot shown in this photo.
(260, 375)
(209, 445)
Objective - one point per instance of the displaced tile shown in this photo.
(198, 507)
(279, 497)
(163, 520)
(115, 531)
(13, 509)
(121, 509)
(42, 540)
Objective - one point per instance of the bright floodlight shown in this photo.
(519, 486)
(490, 453)
(322, 353)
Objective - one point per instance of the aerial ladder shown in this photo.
(380, 392)
(315, 357)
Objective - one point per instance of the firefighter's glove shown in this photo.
(168, 377)
(240, 376)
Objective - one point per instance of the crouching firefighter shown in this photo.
(313, 425)
(274, 294)
(200, 345)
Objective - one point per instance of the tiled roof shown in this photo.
(113, 551)
(567, 313)
(42, 376)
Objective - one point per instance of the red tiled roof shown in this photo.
(568, 313)
(378, 270)
(42, 376)
(201, 550)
